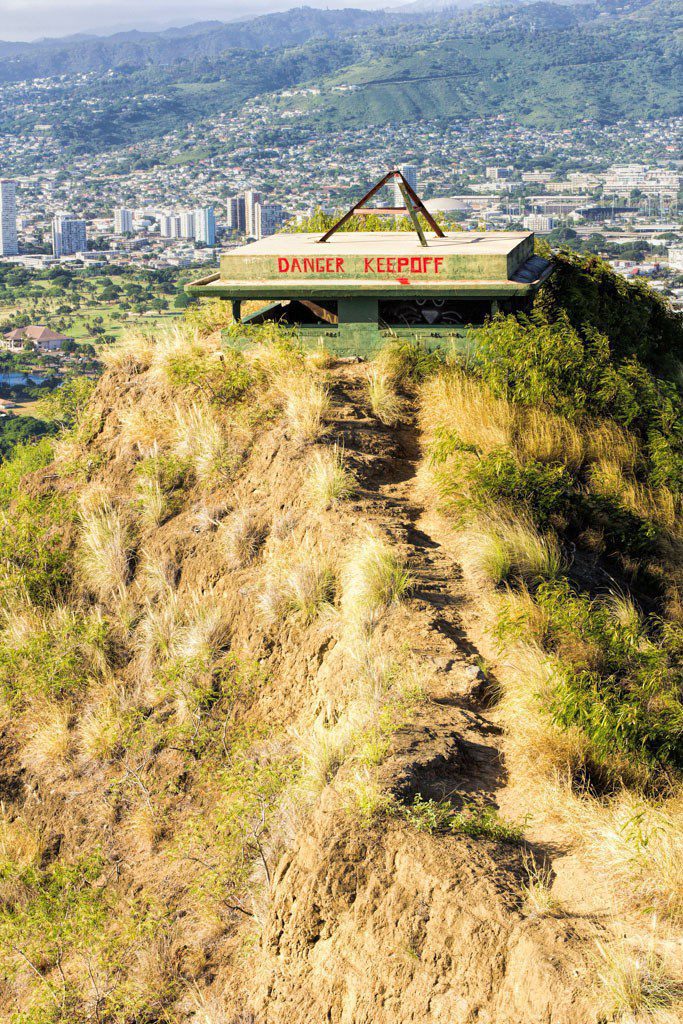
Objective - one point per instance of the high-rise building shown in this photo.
(205, 225)
(169, 226)
(540, 222)
(123, 221)
(251, 200)
(237, 214)
(68, 235)
(269, 217)
(8, 218)
(187, 224)
(409, 172)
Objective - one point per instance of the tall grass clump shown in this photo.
(198, 437)
(373, 578)
(329, 481)
(385, 401)
(515, 552)
(306, 406)
(297, 581)
(105, 550)
(637, 984)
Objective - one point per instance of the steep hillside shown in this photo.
(273, 750)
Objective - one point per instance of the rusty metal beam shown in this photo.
(409, 207)
(413, 207)
(349, 214)
(422, 208)
(319, 311)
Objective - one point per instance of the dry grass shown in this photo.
(467, 409)
(204, 630)
(385, 401)
(609, 441)
(320, 358)
(513, 550)
(199, 438)
(179, 342)
(156, 631)
(323, 749)
(373, 578)
(535, 748)
(20, 839)
(549, 438)
(639, 845)
(637, 986)
(328, 480)
(104, 553)
(239, 537)
(537, 889)
(152, 502)
(299, 581)
(306, 406)
(365, 798)
(100, 727)
(133, 354)
(606, 476)
(146, 426)
(50, 738)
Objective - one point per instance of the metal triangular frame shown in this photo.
(413, 206)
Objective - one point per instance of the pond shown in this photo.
(14, 380)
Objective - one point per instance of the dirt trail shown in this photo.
(388, 460)
(392, 926)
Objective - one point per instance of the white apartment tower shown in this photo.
(169, 226)
(123, 221)
(205, 225)
(251, 200)
(187, 224)
(409, 172)
(8, 218)
(68, 235)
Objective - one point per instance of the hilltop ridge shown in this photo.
(348, 690)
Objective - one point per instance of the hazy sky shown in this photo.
(33, 19)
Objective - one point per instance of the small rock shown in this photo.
(473, 672)
(443, 663)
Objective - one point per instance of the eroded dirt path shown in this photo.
(452, 750)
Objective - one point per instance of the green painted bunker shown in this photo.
(352, 290)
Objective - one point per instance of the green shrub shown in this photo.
(47, 910)
(432, 816)
(407, 361)
(57, 654)
(636, 320)
(486, 823)
(439, 817)
(621, 680)
(223, 381)
(533, 361)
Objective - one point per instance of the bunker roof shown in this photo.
(351, 243)
(378, 263)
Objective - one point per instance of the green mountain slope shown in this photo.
(625, 67)
(544, 64)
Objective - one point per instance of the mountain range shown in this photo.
(542, 63)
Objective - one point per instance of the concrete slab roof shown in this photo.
(365, 243)
(379, 264)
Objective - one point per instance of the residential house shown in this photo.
(40, 337)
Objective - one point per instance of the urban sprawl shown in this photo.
(266, 167)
